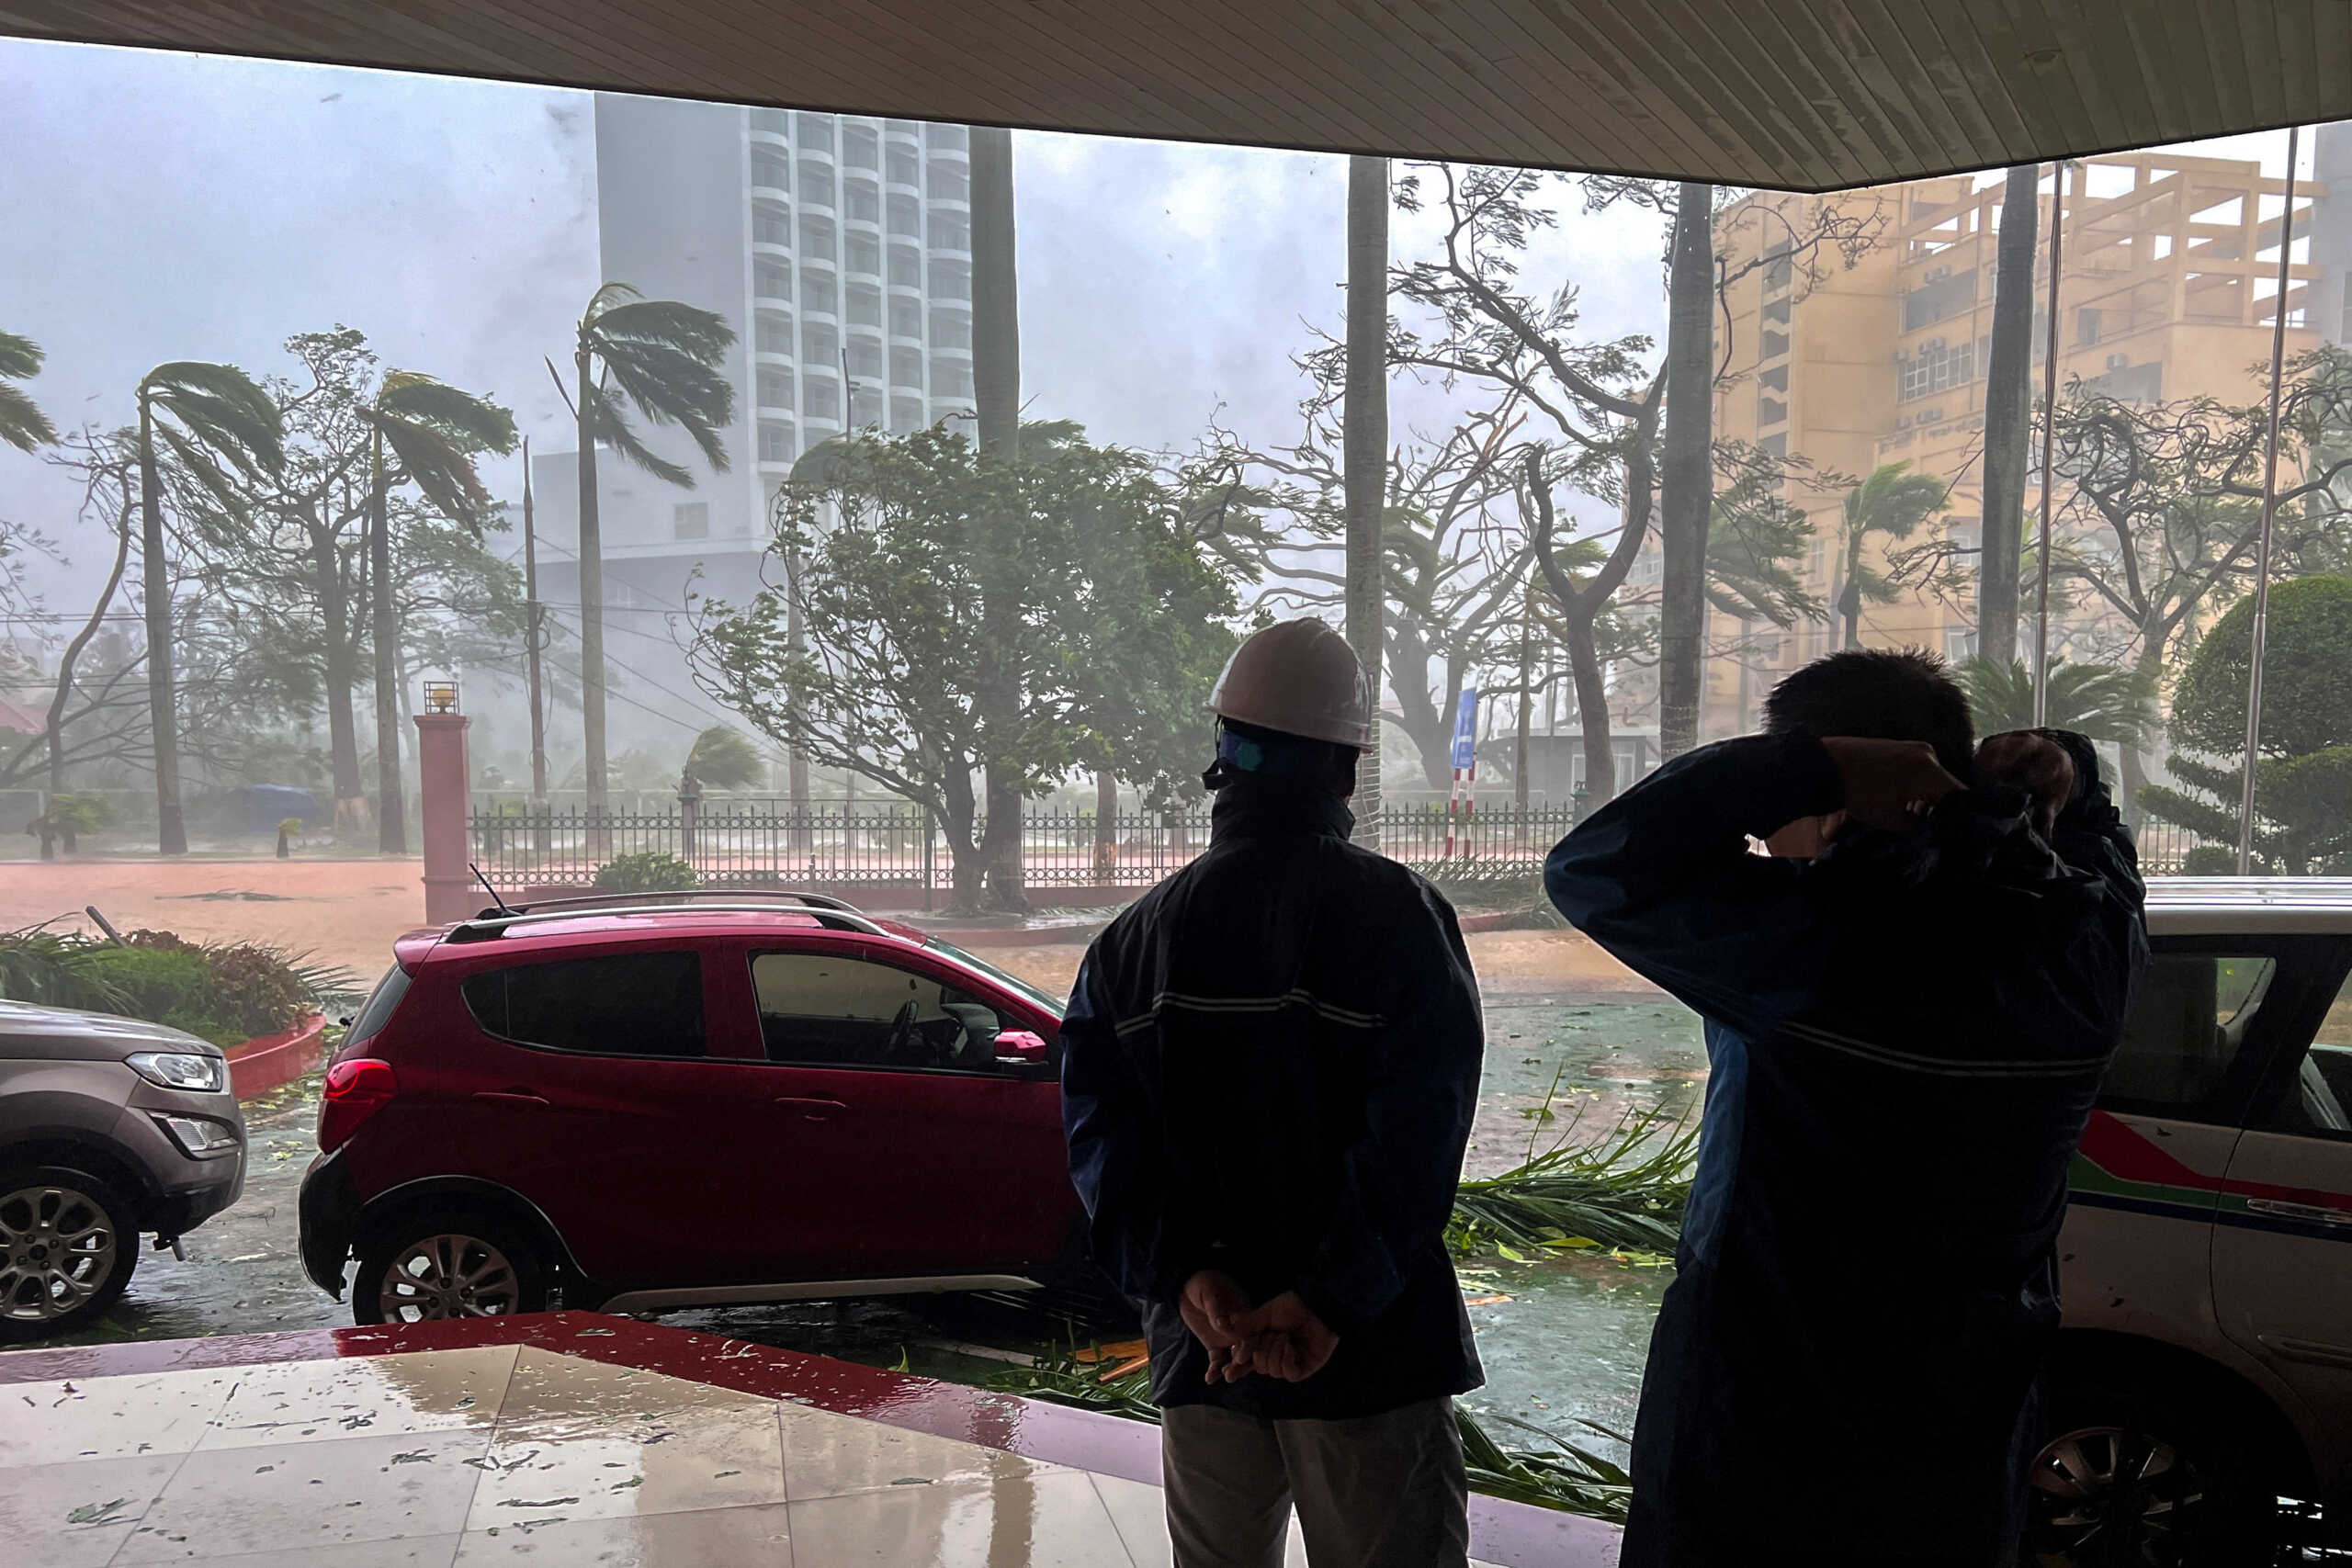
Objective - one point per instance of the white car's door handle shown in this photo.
(2311, 1211)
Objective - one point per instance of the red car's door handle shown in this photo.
(814, 1110)
(511, 1097)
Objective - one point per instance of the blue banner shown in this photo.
(1465, 729)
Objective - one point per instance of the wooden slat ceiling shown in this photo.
(1798, 94)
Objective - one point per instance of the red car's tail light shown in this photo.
(355, 1090)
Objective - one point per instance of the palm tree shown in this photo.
(1686, 469)
(1365, 446)
(220, 430)
(22, 424)
(2008, 417)
(663, 357)
(434, 432)
(996, 386)
(1891, 503)
(2118, 705)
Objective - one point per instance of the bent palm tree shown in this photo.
(435, 433)
(22, 424)
(220, 432)
(663, 357)
(1892, 503)
(2101, 703)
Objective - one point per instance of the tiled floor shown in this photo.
(514, 1453)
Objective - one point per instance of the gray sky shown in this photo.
(205, 207)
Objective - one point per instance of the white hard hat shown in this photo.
(1300, 677)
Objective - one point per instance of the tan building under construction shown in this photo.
(2168, 285)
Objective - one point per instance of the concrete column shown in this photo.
(445, 797)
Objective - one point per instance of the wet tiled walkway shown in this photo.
(571, 1438)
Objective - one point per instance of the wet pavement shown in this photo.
(1565, 1345)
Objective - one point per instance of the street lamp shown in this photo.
(440, 696)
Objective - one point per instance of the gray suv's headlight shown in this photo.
(180, 1069)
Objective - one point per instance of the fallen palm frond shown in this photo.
(1559, 1475)
(1622, 1192)
(56, 969)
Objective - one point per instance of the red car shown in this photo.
(669, 1101)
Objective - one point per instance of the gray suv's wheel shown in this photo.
(68, 1244)
(2147, 1477)
(447, 1265)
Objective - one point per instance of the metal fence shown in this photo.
(760, 843)
(894, 845)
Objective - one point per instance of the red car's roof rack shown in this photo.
(837, 914)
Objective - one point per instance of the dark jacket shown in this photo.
(1906, 1038)
(1269, 1066)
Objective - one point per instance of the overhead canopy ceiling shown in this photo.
(1800, 94)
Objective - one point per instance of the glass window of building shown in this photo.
(819, 292)
(906, 267)
(824, 397)
(777, 442)
(906, 415)
(943, 137)
(772, 331)
(951, 329)
(861, 146)
(815, 182)
(771, 223)
(904, 166)
(771, 166)
(950, 230)
(862, 200)
(865, 359)
(950, 182)
(775, 387)
(865, 301)
(820, 343)
(906, 369)
(771, 277)
(690, 520)
(815, 237)
(863, 253)
(952, 279)
(776, 121)
(951, 378)
(905, 317)
(906, 217)
(815, 130)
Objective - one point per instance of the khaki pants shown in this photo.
(1377, 1492)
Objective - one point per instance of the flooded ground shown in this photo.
(1562, 1341)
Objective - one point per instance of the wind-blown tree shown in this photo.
(2302, 801)
(223, 434)
(1456, 550)
(969, 618)
(724, 757)
(106, 465)
(22, 424)
(2160, 511)
(429, 435)
(1889, 505)
(2008, 418)
(2102, 702)
(663, 359)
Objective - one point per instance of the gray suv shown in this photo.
(110, 1127)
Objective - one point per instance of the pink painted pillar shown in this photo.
(445, 797)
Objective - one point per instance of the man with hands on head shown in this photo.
(1269, 1069)
(1909, 999)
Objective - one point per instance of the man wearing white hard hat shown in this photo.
(1270, 1064)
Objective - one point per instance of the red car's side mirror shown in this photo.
(1020, 1047)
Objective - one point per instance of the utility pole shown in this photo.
(1526, 703)
(533, 621)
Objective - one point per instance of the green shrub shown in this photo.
(646, 871)
(80, 812)
(170, 984)
(55, 969)
(2209, 860)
